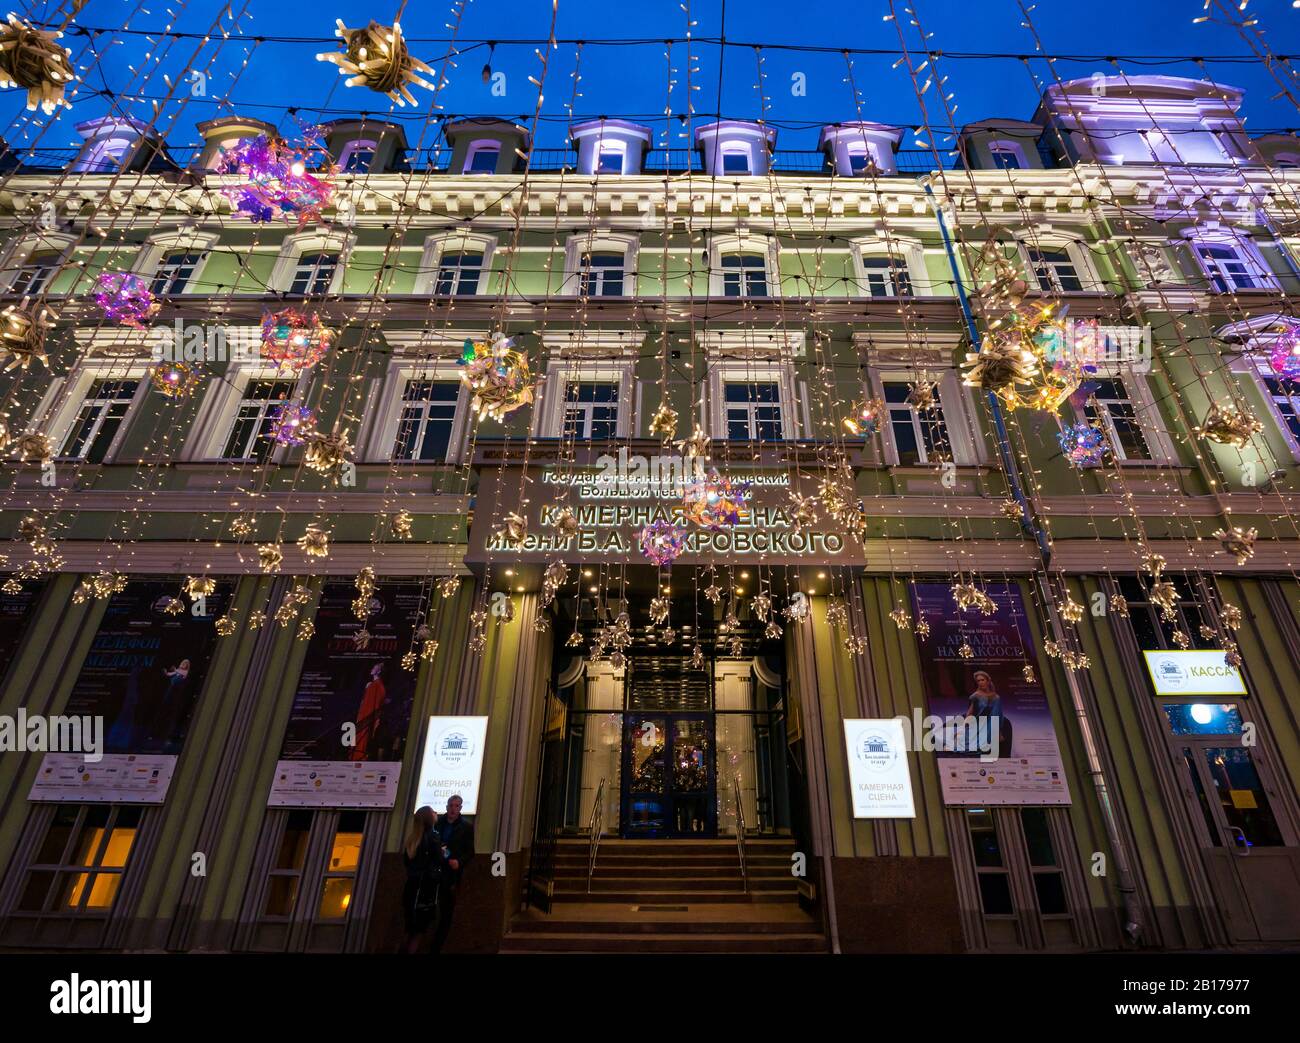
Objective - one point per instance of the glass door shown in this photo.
(669, 785)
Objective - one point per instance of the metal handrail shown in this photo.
(595, 826)
(740, 832)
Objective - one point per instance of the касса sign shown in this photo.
(1195, 672)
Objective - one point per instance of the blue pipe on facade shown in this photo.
(995, 407)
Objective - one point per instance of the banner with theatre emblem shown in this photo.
(996, 743)
(347, 728)
(453, 762)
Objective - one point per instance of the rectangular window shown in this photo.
(174, 274)
(483, 161)
(886, 277)
(314, 273)
(860, 163)
(602, 275)
(735, 162)
(590, 411)
(359, 160)
(284, 881)
(257, 407)
(1049, 882)
(610, 163)
(34, 276)
(1055, 271)
(1110, 403)
(458, 274)
(341, 869)
(1284, 394)
(428, 413)
(1227, 268)
(919, 436)
(990, 865)
(753, 412)
(1005, 158)
(98, 420)
(79, 866)
(744, 275)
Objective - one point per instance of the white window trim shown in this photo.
(62, 401)
(600, 241)
(967, 448)
(1252, 363)
(1246, 250)
(426, 279)
(24, 248)
(748, 357)
(747, 243)
(735, 147)
(356, 145)
(906, 250)
(592, 357)
(217, 411)
(482, 145)
(157, 247)
(384, 412)
(295, 246)
(1147, 412)
(1079, 257)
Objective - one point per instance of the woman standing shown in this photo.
(422, 855)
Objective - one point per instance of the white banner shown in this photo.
(452, 762)
(334, 784)
(878, 773)
(1199, 672)
(118, 778)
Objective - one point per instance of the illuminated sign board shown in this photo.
(614, 496)
(452, 763)
(1198, 672)
(878, 772)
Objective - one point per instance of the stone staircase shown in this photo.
(670, 896)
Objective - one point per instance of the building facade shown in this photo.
(263, 758)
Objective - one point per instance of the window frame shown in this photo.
(67, 870)
(476, 148)
(967, 447)
(600, 241)
(550, 412)
(766, 247)
(158, 247)
(25, 248)
(64, 397)
(904, 252)
(351, 148)
(1252, 364)
(1146, 412)
(740, 357)
(1007, 147)
(296, 246)
(439, 244)
(457, 403)
(435, 361)
(219, 408)
(1247, 253)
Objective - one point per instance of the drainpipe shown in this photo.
(1096, 769)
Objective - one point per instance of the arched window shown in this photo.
(1007, 155)
(356, 156)
(483, 157)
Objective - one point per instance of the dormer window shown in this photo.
(610, 159)
(357, 156)
(735, 159)
(1007, 156)
(483, 158)
(861, 162)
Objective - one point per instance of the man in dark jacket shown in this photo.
(457, 836)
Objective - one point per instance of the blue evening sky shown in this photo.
(633, 80)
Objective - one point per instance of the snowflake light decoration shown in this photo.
(294, 340)
(1284, 356)
(175, 379)
(125, 298)
(715, 502)
(497, 375)
(271, 179)
(1083, 444)
(23, 329)
(291, 424)
(864, 420)
(1228, 425)
(662, 542)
